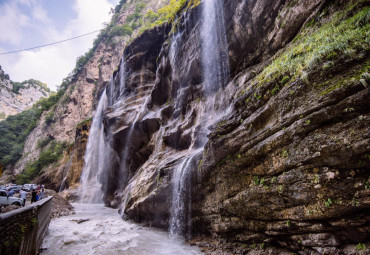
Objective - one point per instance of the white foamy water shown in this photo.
(106, 233)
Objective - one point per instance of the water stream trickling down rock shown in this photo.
(199, 133)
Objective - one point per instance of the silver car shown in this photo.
(7, 200)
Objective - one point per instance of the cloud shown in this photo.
(40, 13)
(12, 22)
(53, 63)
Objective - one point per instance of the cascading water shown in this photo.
(215, 57)
(95, 156)
(124, 173)
(216, 74)
(124, 168)
(122, 75)
(98, 148)
(66, 170)
(111, 97)
(180, 223)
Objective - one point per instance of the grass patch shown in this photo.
(344, 79)
(84, 122)
(342, 36)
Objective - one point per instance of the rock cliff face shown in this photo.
(277, 157)
(76, 106)
(15, 100)
(272, 158)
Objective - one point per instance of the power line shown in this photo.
(36, 47)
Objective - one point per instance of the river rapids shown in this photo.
(106, 233)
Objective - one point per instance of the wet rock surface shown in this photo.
(284, 171)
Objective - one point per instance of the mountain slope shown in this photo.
(16, 97)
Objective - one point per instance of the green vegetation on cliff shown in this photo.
(15, 129)
(163, 15)
(32, 82)
(13, 133)
(344, 36)
(52, 154)
(138, 21)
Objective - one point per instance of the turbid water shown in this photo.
(106, 233)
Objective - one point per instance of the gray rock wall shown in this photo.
(287, 168)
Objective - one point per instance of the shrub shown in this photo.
(133, 17)
(119, 6)
(15, 129)
(50, 155)
(284, 153)
(165, 14)
(285, 80)
(49, 118)
(360, 246)
(42, 85)
(13, 133)
(43, 142)
(120, 31)
(134, 25)
(328, 202)
(17, 86)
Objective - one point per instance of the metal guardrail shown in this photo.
(22, 230)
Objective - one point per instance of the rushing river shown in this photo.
(106, 233)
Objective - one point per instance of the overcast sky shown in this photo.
(29, 23)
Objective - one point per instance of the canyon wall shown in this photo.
(71, 115)
(278, 156)
(259, 146)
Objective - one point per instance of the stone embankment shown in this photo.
(22, 230)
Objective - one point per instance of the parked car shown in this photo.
(14, 188)
(5, 200)
(29, 187)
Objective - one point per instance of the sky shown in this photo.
(29, 23)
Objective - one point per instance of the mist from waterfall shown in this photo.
(95, 157)
(216, 72)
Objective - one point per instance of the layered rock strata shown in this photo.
(287, 167)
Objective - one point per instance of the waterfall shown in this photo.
(111, 98)
(95, 157)
(215, 61)
(66, 170)
(180, 222)
(124, 167)
(124, 173)
(122, 76)
(215, 57)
